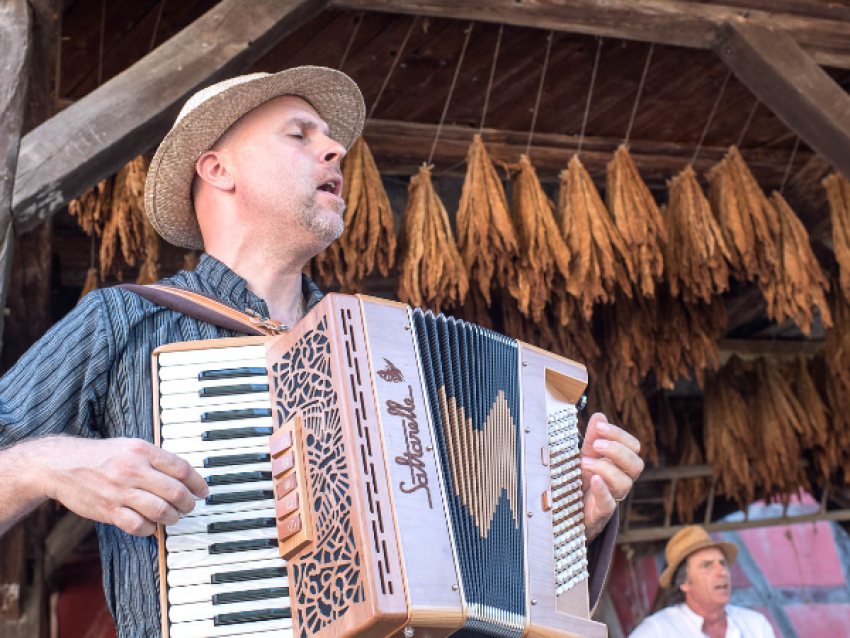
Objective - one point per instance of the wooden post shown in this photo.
(783, 76)
(14, 51)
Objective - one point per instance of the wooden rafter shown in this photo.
(401, 146)
(823, 31)
(80, 146)
(772, 65)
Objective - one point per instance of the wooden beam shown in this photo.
(90, 139)
(14, 58)
(789, 82)
(823, 32)
(401, 147)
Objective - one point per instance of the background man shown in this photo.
(250, 173)
(698, 572)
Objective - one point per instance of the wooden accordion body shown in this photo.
(421, 480)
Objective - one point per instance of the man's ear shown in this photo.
(212, 168)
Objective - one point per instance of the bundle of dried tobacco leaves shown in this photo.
(746, 217)
(729, 436)
(599, 263)
(838, 193)
(430, 269)
(149, 270)
(696, 255)
(485, 233)
(797, 283)
(638, 219)
(541, 251)
(191, 260)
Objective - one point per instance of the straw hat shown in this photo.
(211, 111)
(686, 542)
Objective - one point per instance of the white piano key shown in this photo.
(203, 575)
(204, 593)
(198, 524)
(182, 386)
(193, 414)
(192, 399)
(202, 509)
(188, 430)
(205, 611)
(207, 629)
(234, 469)
(193, 371)
(184, 446)
(196, 459)
(201, 558)
(188, 542)
(241, 487)
(215, 356)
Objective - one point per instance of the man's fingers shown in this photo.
(151, 507)
(621, 455)
(603, 498)
(132, 522)
(610, 432)
(618, 482)
(177, 468)
(592, 433)
(169, 489)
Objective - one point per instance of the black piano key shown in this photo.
(245, 596)
(239, 497)
(236, 433)
(243, 546)
(230, 373)
(232, 415)
(227, 390)
(252, 616)
(247, 574)
(238, 526)
(236, 459)
(238, 477)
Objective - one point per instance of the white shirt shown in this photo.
(680, 621)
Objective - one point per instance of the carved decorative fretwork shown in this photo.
(326, 580)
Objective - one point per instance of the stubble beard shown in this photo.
(327, 225)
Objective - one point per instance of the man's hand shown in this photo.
(609, 467)
(128, 483)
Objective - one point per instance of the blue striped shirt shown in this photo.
(90, 376)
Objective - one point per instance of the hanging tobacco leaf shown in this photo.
(599, 264)
(797, 283)
(149, 270)
(638, 219)
(430, 269)
(541, 251)
(838, 194)
(746, 218)
(485, 234)
(696, 255)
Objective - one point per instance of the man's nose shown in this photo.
(333, 152)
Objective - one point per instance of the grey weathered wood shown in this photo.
(14, 52)
(63, 539)
(89, 140)
(823, 32)
(791, 84)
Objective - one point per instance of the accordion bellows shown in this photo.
(421, 479)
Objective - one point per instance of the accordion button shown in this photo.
(285, 506)
(283, 464)
(289, 527)
(287, 484)
(280, 444)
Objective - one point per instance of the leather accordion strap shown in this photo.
(202, 307)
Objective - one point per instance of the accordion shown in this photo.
(376, 471)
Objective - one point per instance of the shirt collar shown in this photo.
(227, 285)
(697, 621)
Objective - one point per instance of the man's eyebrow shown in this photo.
(304, 122)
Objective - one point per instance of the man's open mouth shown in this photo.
(333, 186)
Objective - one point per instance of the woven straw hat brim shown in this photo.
(168, 197)
(730, 550)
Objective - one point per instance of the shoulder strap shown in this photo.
(204, 307)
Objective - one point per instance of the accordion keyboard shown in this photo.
(224, 572)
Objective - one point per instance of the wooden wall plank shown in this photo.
(676, 22)
(792, 85)
(89, 140)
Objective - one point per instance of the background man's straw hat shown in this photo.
(213, 110)
(685, 543)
